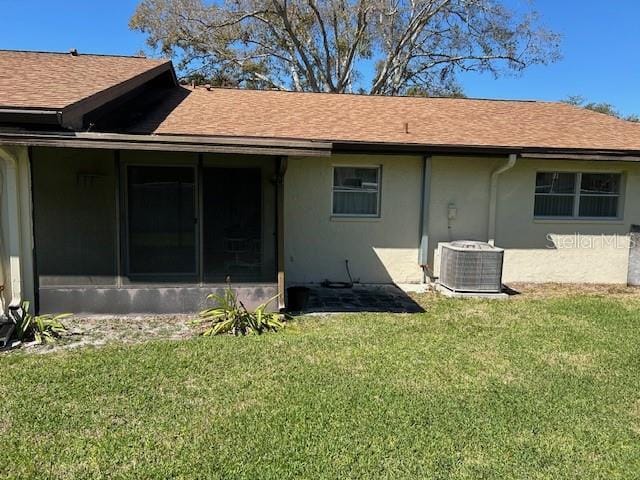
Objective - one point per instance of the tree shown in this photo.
(328, 45)
(600, 107)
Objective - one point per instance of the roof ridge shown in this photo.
(366, 95)
(48, 52)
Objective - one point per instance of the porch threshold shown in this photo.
(146, 299)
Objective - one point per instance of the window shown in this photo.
(356, 191)
(577, 195)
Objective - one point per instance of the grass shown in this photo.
(535, 389)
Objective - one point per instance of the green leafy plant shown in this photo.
(39, 328)
(230, 316)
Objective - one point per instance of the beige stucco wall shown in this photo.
(462, 182)
(536, 250)
(379, 250)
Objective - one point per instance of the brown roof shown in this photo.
(372, 119)
(43, 80)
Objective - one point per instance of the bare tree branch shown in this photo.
(323, 45)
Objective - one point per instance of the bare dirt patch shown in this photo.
(101, 330)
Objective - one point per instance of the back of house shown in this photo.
(123, 191)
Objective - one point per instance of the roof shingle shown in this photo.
(373, 119)
(43, 80)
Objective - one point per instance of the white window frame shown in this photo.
(378, 192)
(576, 196)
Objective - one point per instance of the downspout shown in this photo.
(10, 184)
(493, 195)
(425, 195)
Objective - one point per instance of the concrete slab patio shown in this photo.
(360, 298)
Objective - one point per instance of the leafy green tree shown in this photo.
(326, 45)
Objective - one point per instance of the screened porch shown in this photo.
(120, 231)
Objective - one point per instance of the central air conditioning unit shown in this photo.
(470, 266)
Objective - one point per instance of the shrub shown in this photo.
(230, 316)
(40, 328)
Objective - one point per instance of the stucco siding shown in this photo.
(379, 250)
(561, 250)
(536, 250)
(462, 183)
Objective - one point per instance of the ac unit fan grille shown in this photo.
(471, 270)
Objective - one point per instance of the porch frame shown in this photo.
(59, 294)
(280, 258)
(23, 271)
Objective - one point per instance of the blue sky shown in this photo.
(601, 45)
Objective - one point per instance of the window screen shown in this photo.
(577, 195)
(599, 194)
(356, 191)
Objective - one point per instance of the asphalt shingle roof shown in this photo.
(372, 119)
(39, 80)
(43, 80)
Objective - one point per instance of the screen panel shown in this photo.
(161, 220)
(74, 210)
(232, 221)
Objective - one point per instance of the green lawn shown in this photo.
(538, 388)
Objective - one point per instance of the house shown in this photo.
(123, 191)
